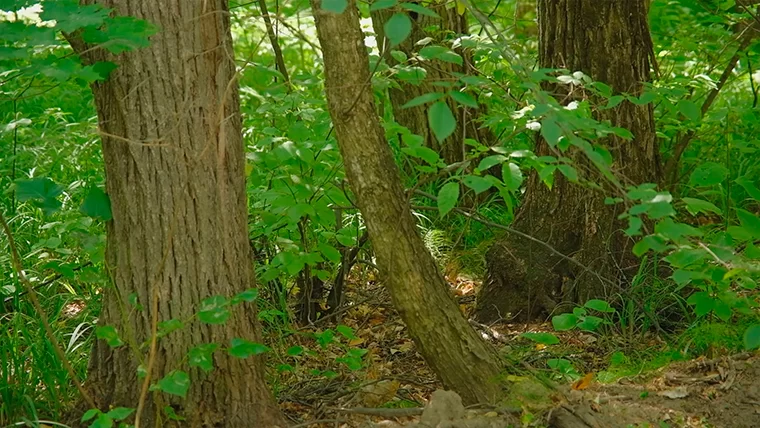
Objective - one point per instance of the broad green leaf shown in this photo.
(214, 310)
(749, 186)
(542, 338)
(382, 4)
(441, 120)
(90, 414)
(569, 172)
(346, 331)
(295, 351)
(476, 183)
(397, 28)
(551, 131)
(590, 323)
(248, 295)
(335, 6)
(752, 337)
(422, 10)
(564, 322)
(110, 335)
(491, 161)
(176, 382)
(423, 99)
(599, 305)
(447, 197)
(695, 206)
(708, 174)
(202, 356)
(464, 99)
(689, 109)
(168, 326)
(749, 221)
(241, 348)
(97, 204)
(702, 301)
(330, 252)
(120, 413)
(42, 191)
(512, 176)
(102, 421)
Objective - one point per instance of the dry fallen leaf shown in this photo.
(583, 383)
(675, 393)
(376, 394)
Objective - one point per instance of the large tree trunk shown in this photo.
(174, 164)
(609, 41)
(463, 361)
(441, 30)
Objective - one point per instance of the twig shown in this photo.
(16, 260)
(318, 421)
(279, 59)
(385, 413)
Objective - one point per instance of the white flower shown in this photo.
(520, 113)
(533, 126)
(572, 106)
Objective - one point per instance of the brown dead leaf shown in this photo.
(583, 383)
(377, 394)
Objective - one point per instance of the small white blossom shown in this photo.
(572, 106)
(522, 112)
(533, 126)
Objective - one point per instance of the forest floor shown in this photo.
(394, 385)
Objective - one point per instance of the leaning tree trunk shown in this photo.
(174, 164)
(463, 361)
(610, 42)
(441, 30)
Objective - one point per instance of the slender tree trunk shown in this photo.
(450, 346)
(174, 166)
(441, 30)
(609, 41)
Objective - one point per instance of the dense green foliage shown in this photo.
(705, 215)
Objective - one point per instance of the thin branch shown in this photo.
(671, 167)
(279, 59)
(16, 260)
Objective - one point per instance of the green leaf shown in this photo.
(590, 323)
(176, 382)
(749, 221)
(689, 109)
(382, 4)
(346, 331)
(241, 348)
(295, 351)
(695, 206)
(752, 337)
(599, 305)
(464, 99)
(543, 338)
(202, 356)
(120, 413)
(512, 176)
(97, 204)
(422, 10)
(569, 172)
(423, 99)
(551, 131)
(441, 120)
(42, 191)
(103, 421)
(248, 295)
(397, 28)
(330, 252)
(491, 161)
(749, 187)
(564, 322)
(90, 414)
(476, 183)
(110, 335)
(703, 303)
(168, 326)
(708, 174)
(214, 310)
(335, 6)
(447, 197)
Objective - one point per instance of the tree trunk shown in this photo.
(610, 42)
(174, 164)
(440, 30)
(445, 339)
